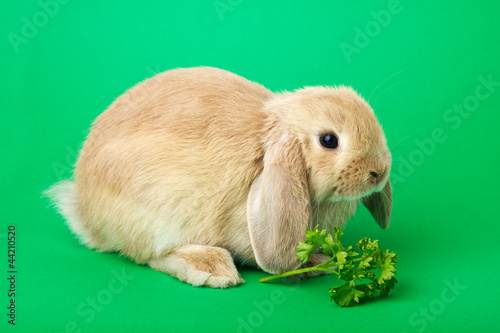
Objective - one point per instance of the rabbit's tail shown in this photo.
(64, 195)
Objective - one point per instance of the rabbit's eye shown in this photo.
(329, 141)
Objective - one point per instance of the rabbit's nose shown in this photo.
(375, 175)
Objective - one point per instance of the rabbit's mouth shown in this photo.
(336, 194)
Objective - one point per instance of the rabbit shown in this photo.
(195, 169)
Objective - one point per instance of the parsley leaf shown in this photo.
(353, 270)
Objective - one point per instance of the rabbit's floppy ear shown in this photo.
(278, 206)
(380, 205)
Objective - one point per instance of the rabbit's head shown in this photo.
(342, 143)
(322, 144)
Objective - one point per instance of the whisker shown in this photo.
(394, 85)
(381, 83)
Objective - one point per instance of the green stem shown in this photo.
(298, 271)
(329, 261)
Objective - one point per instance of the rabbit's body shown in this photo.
(165, 174)
(150, 192)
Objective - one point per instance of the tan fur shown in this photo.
(200, 266)
(165, 174)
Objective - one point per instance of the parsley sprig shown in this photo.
(353, 268)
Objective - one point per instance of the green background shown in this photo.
(415, 67)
